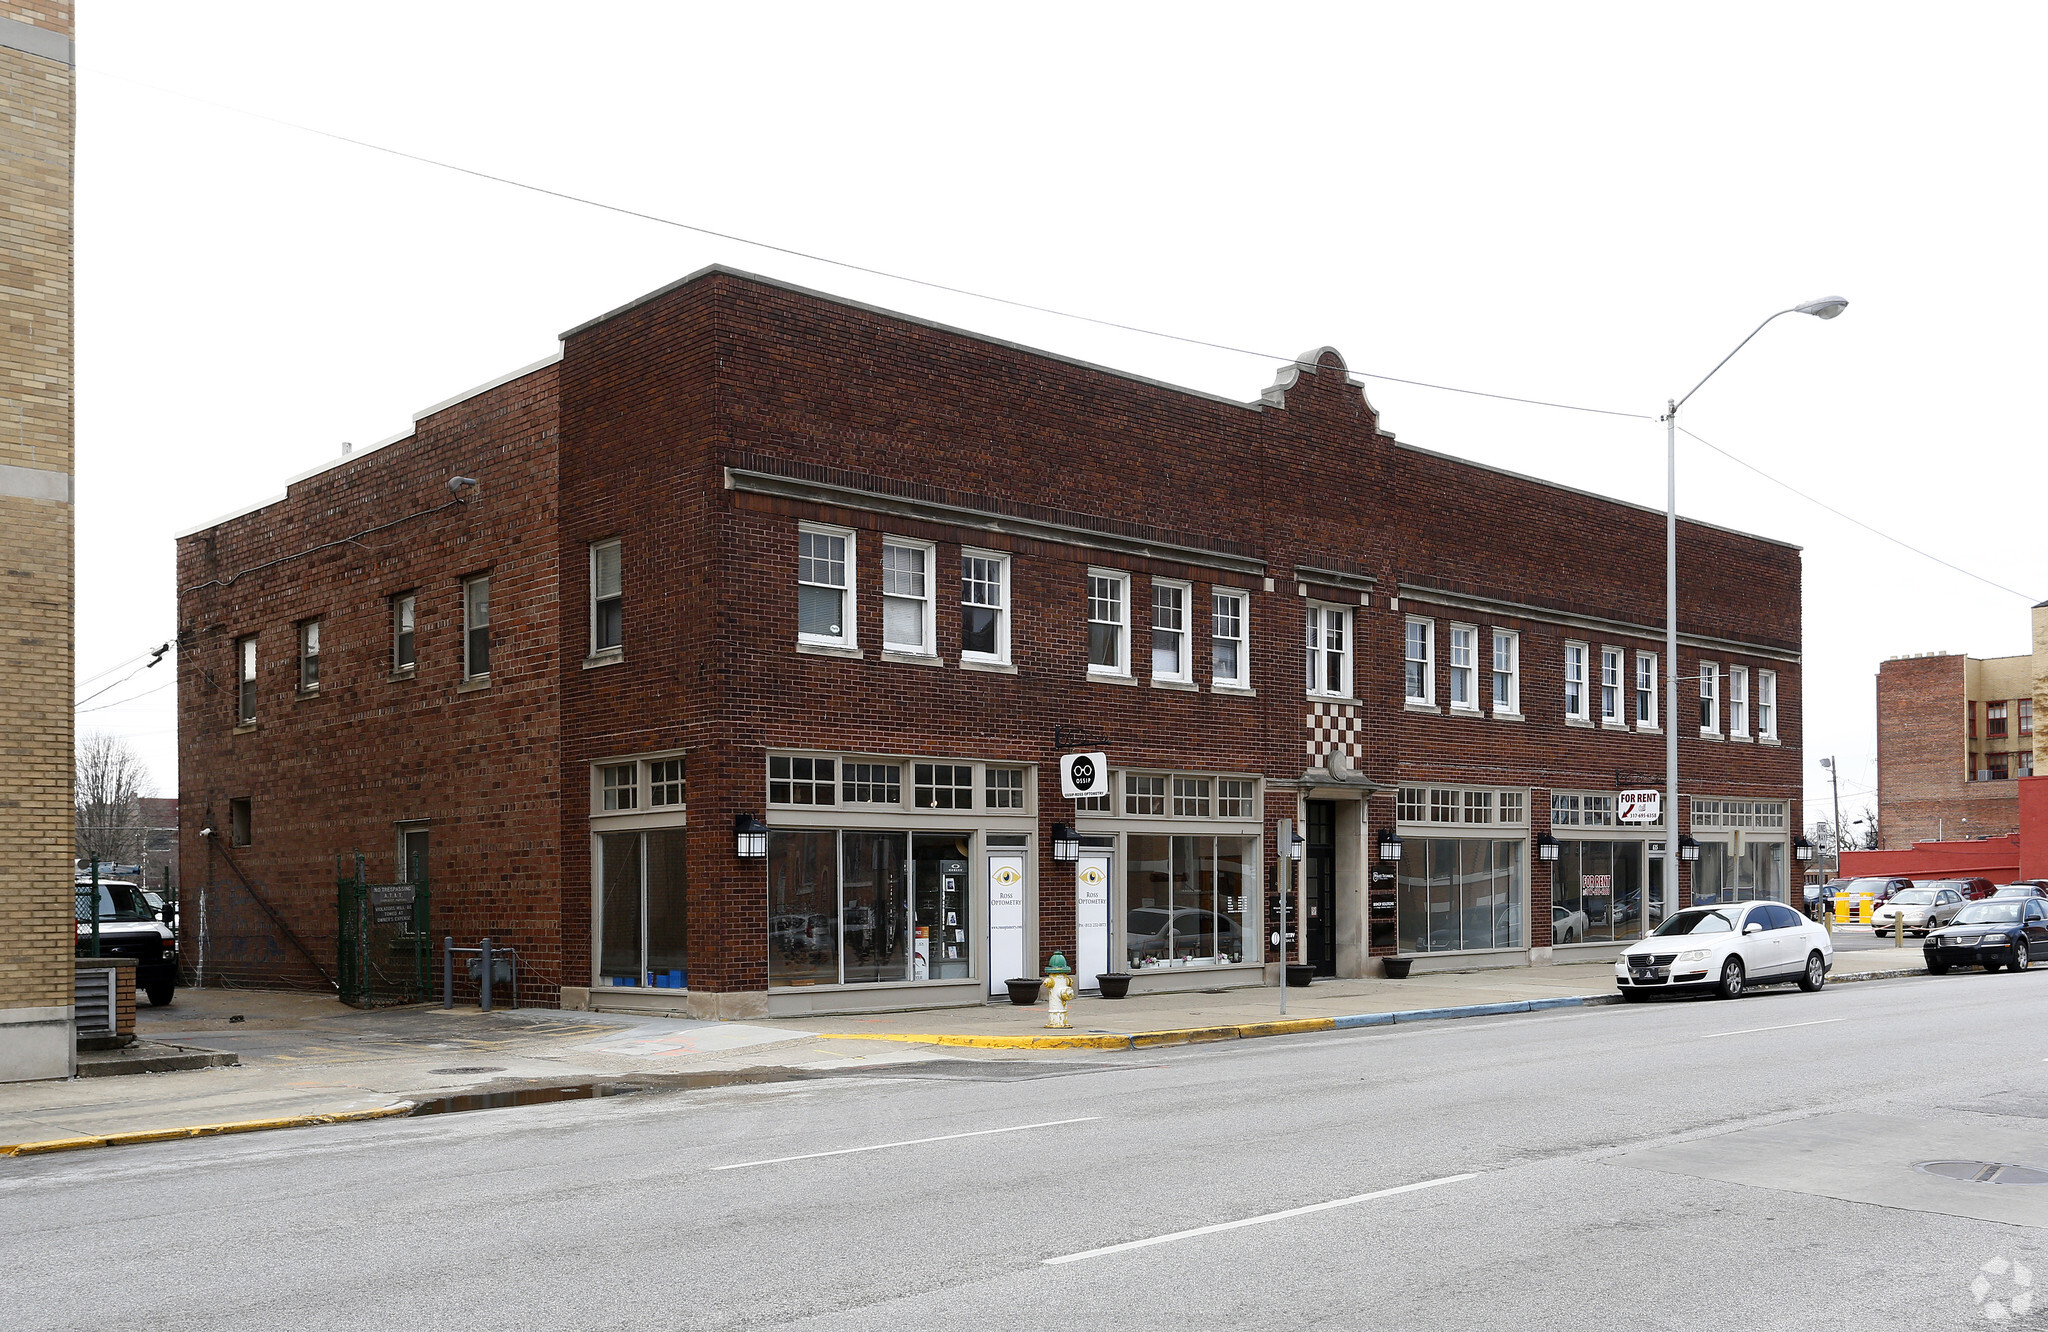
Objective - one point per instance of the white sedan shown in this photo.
(1726, 949)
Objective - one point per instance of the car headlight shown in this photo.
(1695, 955)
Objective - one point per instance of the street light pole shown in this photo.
(1827, 307)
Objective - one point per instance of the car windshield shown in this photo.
(1865, 885)
(2016, 890)
(1989, 913)
(1915, 897)
(1720, 920)
(118, 902)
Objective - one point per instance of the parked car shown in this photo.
(2020, 890)
(1567, 925)
(2009, 932)
(1925, 910)
(1973, 890)
(1725, 950)
(128, 927)
(1881, 888)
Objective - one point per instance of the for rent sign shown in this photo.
(1641, 806)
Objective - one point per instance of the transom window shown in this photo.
(1144, 793)
(1444, 804)
(1107, 597)
(1571, 810)
(942, 786)
(984, 608)
(1738, 813)
(1003, 787)
(621, 786)
(1191, 797)
(1234, 798)
(873, 783)
(824, 586)
(801, 781)
(665, 784)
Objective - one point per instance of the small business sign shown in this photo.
(1084, 776)
(1642, 806)
(391, 903)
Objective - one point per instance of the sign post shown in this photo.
(1285, 839)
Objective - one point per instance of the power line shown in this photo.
(80, 705)
(848, 265)
(130, 699)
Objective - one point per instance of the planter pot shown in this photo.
(1396, 967)
(1114, 984)
(1023, 990)
(1299, 974)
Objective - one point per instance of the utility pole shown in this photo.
(1835, 777)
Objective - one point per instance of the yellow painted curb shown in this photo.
(1184, 1036)
(200, 1131)
(1074, 1042)
(1286, 1027)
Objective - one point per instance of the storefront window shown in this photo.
(874, 907)
(803, 908)
(1455, 893)
(1721, 876)
(860, 907)
(1596, 892)
(642, 909)
(1186, 901)
(941, 947)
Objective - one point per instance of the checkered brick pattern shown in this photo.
(1334, 726)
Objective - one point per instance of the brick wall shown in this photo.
(1923, 790)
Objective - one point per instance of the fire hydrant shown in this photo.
(1059, 984)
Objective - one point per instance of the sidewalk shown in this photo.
(307, 1059)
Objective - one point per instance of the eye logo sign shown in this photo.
(1007, 876)
(1093, 876)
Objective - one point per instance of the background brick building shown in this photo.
(758, 553)
(36, 605)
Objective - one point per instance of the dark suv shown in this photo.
(129, 928)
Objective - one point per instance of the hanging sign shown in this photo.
(1641, 806)
(1084, 776)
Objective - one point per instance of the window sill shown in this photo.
(1711, 735)
(1583, 723)
(1508, 716)
(1104, 677)
(1613, 726)
(1412, 706)
(828, 650)
(1770, 740)
(244, 728)
(303, 694)
(609, 657)
(911, 658)
(473, 684)
(1185, 686)
(1648, 730)
(1460, 711)
(1237, 691)
(1343, 699)
(1741, 740)
(402, 673)
(992, 667)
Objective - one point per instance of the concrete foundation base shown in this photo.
(36, 1043)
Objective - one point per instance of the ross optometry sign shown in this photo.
(1084, 776)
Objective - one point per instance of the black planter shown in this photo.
(1299, 974)
(1023, 990)
(1115, 984)
(1397, 967)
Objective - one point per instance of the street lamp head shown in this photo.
(1827, 307)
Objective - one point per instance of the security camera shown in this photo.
(456, 483)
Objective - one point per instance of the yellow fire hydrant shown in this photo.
(1059, 985)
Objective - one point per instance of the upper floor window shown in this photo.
(1738, 700)
(1464, 667)
(1108, 595)
(1646, 689)
(907, 602)
(2026, 710)
(1420, 660)
(1994, 720)
(309, 655)
(245, 675)
(476, 626)
(607, 599)
(1170, 631)
(1227, 661)
(1329, 651)
(1507, 671)
(1610, 686)
(1766, 705)
(984, 608)
(824, 594)
(1710, 698)
(1575, 681)
(402, 610)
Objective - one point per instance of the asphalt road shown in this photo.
(1669, 1165)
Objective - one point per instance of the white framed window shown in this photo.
(984, 607)
(1235, 798)
(309, 655)
(942, 786)
(1421, 660)
(245, 681)
(1191, 797)
(403, 608)
(1109, 599)
(1507, 671)
(1738, 701)
(476, 627)
(620, 784)
(1767, 705)
(1646, 689)
(872, 783)
(1444, 804)
(1329, 651)
(825, 586)
(1228, 663)
(908, 623)
(1575, 700)
(1610, 686)
(1144, 793)
(607, 599)
(1465, 667)
(1710, 698)
(665, 785)
(1170, 631)
(1002, 788)
(798, 780)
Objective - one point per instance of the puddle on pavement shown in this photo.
(450, 1105)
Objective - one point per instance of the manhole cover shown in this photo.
(1984, 1172)
(440, 1071)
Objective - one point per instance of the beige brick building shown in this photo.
(36, 584)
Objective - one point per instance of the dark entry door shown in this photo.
(1319, 871)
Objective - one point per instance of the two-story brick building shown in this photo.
(744, 553)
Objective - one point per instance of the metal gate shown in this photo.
(381, 944)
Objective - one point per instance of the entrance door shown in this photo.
(1005, 921)
(1091, 917)
(1319, 870)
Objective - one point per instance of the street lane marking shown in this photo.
(1786, 1027)
(912, 1142)
(1255, 1220)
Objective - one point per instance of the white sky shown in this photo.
(1590, 205)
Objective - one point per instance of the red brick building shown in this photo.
(1955, 738)
(748, 552)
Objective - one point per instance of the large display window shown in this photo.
(1457, 894)
(1723, 874)
(867, 907)
(1187, 901)
(642, 919)
(1596, 891)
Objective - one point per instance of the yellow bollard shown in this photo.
(1898, 927)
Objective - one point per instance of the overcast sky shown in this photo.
(1590, 205)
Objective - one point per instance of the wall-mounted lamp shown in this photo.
(1296, 845)
(1066, 843)
(1390, 845)
(1801, 848)
(749, 837)
(1547, 848)
(1688, 849)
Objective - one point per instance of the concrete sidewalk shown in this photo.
(307, 1059)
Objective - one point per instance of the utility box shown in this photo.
(103, 996)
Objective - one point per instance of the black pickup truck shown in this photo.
(129, 928)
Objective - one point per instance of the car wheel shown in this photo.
(160, 995)
(1815, 975)
(1937, 968)
(1731, 979)
(2022, 958)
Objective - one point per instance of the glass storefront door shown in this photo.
(1319, 878)
(1596, 891)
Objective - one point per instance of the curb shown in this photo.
(200, 1131)
(1146, 1040)
(1839, 978)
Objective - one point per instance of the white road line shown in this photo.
(913, 1142)
(1254, 1220)
(1786, 1027)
